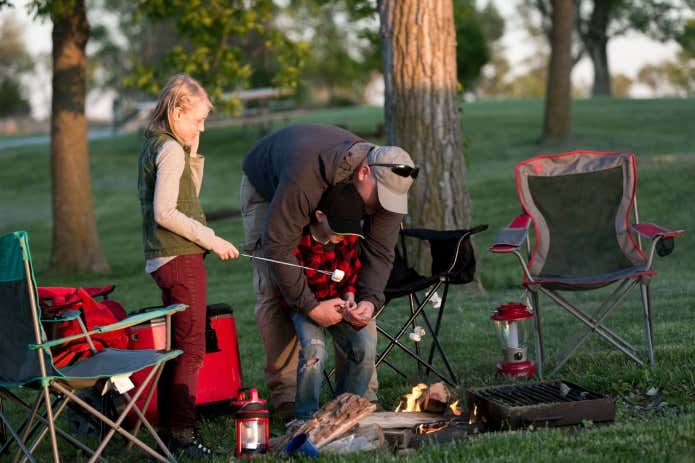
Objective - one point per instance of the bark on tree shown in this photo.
(421, 107)
(75, 240)
(595, 38)
(557, 121)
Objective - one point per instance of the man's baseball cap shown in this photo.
(392, 187)
(343, 208)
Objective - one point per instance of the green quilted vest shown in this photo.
(158, 241)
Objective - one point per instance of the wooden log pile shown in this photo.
(349, 423)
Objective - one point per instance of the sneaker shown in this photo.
(189, 444)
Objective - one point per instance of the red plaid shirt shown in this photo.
(343, 256)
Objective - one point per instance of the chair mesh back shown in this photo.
(18, 364)
(446, 252)
(580, 204)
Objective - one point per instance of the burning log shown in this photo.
(434, 398)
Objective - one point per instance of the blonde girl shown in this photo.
(175, 238)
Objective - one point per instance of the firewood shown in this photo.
(363, 439)
(435, 399)
(335, 418)
(393, 420)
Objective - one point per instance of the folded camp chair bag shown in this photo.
(56, 300)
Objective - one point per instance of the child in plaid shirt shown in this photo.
(329, 243)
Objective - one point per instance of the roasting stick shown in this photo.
(336, 275)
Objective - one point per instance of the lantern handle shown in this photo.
(253, 392)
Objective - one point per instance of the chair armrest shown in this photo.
(652, 231)
(63, 316)
(128, 322)
(511, 237)
(435, 235)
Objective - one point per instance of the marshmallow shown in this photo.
(414, 337)
(337, 275)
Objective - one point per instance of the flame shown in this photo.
(474, 415)
(432, 427)
(411, 400)
(454, 406)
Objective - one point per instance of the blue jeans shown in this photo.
(359, 349)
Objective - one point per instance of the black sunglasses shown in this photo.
(404, 170)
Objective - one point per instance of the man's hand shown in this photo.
(224, 249)
(361, 315)
(328, 313)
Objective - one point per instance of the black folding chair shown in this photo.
(453, 262)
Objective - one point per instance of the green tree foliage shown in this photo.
(12, 101)
(15, 62)
(212, 36)
(676, 77)
(476, 31)
(343, 45)
(599, 21)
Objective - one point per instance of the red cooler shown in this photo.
(220, 376)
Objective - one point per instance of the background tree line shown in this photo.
(428, 52)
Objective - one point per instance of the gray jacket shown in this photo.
(292, 168)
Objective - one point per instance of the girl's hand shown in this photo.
(224, 249)
(195, 141)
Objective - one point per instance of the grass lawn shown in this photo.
(498, 135)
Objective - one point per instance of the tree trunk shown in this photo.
(596, 43)
(598, 51)
(75, 239)
(558, 101)
(421, 107)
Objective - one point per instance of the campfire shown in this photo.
(431, 413)
(436, 402)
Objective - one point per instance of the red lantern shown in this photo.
(252, 424)
(512, 323)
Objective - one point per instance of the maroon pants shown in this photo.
(182, 281)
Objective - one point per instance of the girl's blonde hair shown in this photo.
(179, 92)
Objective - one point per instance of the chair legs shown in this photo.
(594, 323)
(435, 337)
(116, 426)
(41, 420)
(395, 340)
(7, 427)
(539, 332)
(53, 411)
(646, 305)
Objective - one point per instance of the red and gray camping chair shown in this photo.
(586, 234)
(26, 363)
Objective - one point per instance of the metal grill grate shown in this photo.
(555, 403)
(517, 395)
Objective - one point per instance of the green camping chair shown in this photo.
(586, 230)
(26, 363)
